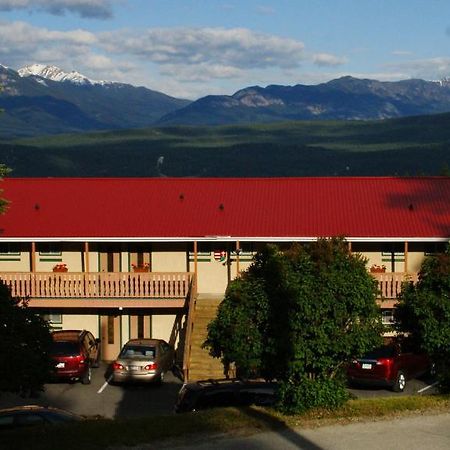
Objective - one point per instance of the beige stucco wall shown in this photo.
(125, 327)
(162, 325)
(415, 260)
(169, 258)
(81, 322)
(212, 276)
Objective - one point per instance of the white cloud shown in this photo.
(100, 9)
(21, 41)
(201, 72)
(326, 59)
(429, 69)
(237, 47)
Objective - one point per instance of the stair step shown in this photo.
(202, 365)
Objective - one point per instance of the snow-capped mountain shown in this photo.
(42, 99)
(56, 74)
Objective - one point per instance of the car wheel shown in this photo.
(432, 371)
(160, 379)
(87, 377)
(96, 362)
(400, 382)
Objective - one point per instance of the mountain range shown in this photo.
(41, 100)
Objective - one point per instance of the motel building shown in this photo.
(135, 257)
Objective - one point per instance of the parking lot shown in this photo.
(102, 399)
(110, 401)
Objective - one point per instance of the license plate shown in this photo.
(60, 365)
(133, 367)
(367, 366)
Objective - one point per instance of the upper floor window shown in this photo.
(10, 251)
(49, 252)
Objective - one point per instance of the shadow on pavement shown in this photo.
(278, 426)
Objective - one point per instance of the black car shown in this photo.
(74, 352)
(222, 393)
(32, 415)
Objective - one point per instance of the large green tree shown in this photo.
(24, 340)
(24, 346)
(423, 313)
(298, 316)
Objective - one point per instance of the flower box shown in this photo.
(141, 267)
(60, 268)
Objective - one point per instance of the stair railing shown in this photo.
(189, 327)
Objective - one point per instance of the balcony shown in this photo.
(390, 285)
(101, 289)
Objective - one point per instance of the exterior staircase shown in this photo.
(202, 365)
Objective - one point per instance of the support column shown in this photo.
(33, 257)
(406, 257)
(196, 262)
(238, 251)
(86, 257)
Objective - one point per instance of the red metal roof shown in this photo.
(171, 208)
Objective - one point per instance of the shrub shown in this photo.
(301, 395)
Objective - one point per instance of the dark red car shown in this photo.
(390, 365)
(75, 352)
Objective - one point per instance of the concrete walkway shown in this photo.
(428, 432)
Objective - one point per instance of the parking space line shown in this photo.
(104, 385)
(427, 387)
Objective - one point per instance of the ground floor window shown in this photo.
(387, 316)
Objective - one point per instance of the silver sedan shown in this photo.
(143, 360)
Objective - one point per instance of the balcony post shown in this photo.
(195, 261)
(238, 251)
(406, 257)
(86, 257)
(33, 257)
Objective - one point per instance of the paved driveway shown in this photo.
(423, 386)
(100, 398)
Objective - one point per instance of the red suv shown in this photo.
(390, 365)
(75, 352)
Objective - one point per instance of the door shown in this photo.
(109, 260)
(140, 326)
(110, 337)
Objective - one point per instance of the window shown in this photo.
(201, 256)
(49, 252)
(53, 318)
(9, 252)
(246, 252)
(29, 419)
(387, 317)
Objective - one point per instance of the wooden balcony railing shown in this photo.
(390, 283)
(99, 285)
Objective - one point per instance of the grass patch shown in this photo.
(101, 434)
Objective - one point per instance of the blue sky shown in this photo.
(191, 48)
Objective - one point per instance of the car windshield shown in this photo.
(63, 348)
(137, 352)
(387, 351)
